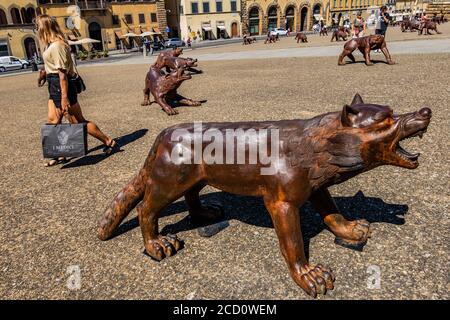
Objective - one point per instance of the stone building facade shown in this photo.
(260, 16)
(17, 35)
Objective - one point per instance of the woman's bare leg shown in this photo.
(54, 116)
(54, 113)
(76, 116)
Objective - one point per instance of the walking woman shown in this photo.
(359, 25)
(59, 69)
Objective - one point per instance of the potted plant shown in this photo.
(105, 54)
(92, 54)
(82, 55)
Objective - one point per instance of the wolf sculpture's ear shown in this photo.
(348, 116)
(357, 100)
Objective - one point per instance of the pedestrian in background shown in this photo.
(382, 21)
(359, 25)
(189, 42)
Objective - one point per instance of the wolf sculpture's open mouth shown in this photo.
(408, 156)
(414, 125)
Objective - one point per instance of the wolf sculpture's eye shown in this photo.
(381, 116)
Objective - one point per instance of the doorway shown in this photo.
(234, 30)
(303, 18)
(95, 32)
(30, 48)
(272, 18)
(290, 18)
(253, 18)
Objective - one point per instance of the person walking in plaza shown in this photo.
(359, 26)
(60, 69)
(423, 20)
(382, 22)
(189, 42)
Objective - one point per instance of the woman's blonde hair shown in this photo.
(48, 30)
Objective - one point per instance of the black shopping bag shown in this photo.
(64, 140)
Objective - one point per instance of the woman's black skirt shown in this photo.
(54, 90)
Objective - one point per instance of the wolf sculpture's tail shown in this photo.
(127, 198)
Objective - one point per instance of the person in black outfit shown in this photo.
(383, 21)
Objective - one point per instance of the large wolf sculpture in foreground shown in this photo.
(313, 155)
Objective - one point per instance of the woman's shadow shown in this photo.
(251, 210)
(91, 159)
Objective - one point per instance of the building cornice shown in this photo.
(202, 14)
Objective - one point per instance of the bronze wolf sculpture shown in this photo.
(164, 87)
(301, 37)
(365, 44)
(410, 25)
(171, 60)
(340, 33)
(428, 25)
(314, 155)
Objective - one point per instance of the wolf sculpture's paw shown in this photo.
(163, 246)
(314, 279)
(352, 234)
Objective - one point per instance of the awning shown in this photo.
(149, 33)
(130, 34)
(118, 34)
(207, 28)
(221, 27)
(84, 41)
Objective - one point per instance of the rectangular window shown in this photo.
(141, 18)
(128, 18)
(205, 7)
(4, 48)
(115, 19)
(194, 7)
(219, 6)
(233, 6)
(153, 17)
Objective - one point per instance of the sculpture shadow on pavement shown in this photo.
(251, 210)
(92, 159)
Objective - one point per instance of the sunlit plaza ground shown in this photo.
(49, 215)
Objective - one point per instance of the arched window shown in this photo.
(3, 20)
(316, 13)
(30, 15)
(15, 15)
(253, 17)
(290, 11)
(303, 18)
(272, 18)
(290, 18)
(316, 9)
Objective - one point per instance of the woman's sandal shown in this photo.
(54, 162)
(112, 148)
